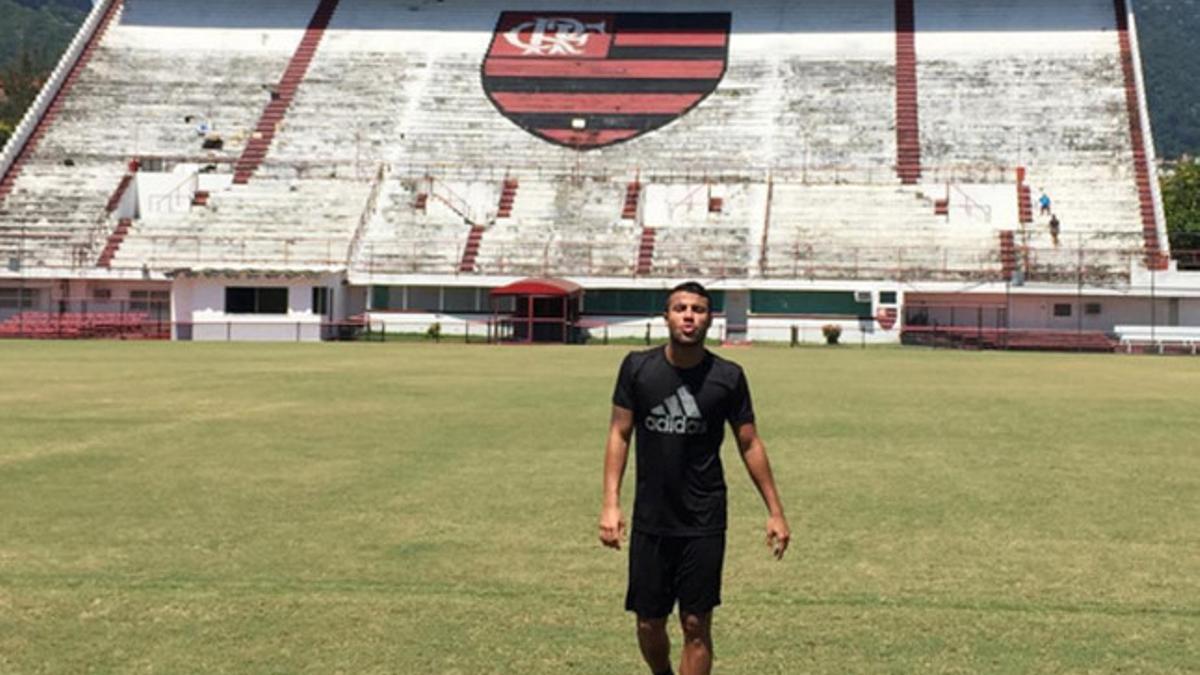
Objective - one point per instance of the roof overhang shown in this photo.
(552, 287)
(247, 273)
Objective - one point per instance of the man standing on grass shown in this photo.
(679, 398)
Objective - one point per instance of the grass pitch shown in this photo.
(406, 508)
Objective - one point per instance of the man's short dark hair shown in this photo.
(693, 287)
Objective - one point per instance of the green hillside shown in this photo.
(1170, 35)
(33, 33)
(41, 29)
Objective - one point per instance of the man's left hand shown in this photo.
(778, 535)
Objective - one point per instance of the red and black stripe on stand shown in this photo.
(618, 77)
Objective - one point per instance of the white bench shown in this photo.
(1158, 337)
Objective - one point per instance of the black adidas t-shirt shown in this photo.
(680, 417)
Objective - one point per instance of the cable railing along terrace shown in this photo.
(799, 261)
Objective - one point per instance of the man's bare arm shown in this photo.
(616, 453)
(754, 456)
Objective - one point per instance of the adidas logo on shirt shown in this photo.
(678, 414)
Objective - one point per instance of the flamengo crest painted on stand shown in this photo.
(587, 80)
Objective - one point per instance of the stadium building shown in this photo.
(287, 170)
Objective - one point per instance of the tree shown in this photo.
(1169, 31)
(1181, 201)
(21, 81)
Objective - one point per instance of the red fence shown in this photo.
(979, 337)
(79, 325)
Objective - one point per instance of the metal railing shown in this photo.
(439, 190)
(990, 337)
(165, 252)
(579, 257)
(370, 210)
(800, 260)
(44, 318)
(673, 173)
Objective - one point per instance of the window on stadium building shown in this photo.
(381, 297)
(638, 302)
(155, 303)
(1062, 309)
(823, 303)
(449, 299)
(459, 299)
(18, 298)
(505, 304)
(320, 300)
(423, 299)
(248, 300)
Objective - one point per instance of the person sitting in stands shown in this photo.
(1054, 228)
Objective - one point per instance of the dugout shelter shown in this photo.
(541, 310)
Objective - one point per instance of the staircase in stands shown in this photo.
(908, 133)
(114, 200)
(629, 211)
(633, 193)
(646, 250)
(281, 99)
(113, 243)
(471, 250)
(1008, 254)
(508, 195)
(1024, 199)
(1155, 259)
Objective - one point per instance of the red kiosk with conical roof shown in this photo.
(542, 310)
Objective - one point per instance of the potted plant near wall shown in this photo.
(832, 332)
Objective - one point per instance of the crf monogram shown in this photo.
(550, 36)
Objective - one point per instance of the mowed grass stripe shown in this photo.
(431, 508)
(274, 586)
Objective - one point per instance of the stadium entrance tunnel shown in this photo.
(537, 310)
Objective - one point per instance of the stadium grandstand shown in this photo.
(271, 169)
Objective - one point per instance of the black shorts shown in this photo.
(663, 570)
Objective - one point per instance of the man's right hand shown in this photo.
(612, 527)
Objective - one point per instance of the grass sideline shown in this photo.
(407, 508)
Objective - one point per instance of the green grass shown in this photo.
(406, 508)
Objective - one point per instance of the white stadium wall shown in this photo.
(200, 312)
(1039, 312)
